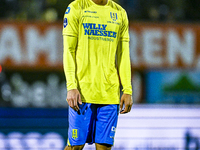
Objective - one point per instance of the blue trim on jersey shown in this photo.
(68, 10)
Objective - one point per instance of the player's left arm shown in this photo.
(124, 67)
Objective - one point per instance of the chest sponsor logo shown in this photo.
(113, 16)
(98, 30)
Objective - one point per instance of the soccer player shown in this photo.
(96, 48)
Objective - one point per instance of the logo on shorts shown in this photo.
(113, 129)
(113, 16)
(74, 133)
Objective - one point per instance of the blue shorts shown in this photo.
(94, 123)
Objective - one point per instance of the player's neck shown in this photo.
(100, 2)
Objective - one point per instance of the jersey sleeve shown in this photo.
(123, 57)
(69, 45)
(125, 27)
(124, 66)
(70, 34)
(70, 22)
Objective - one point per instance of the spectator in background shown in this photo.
(192, 10)
(162, 10)
(132, 7)
(53, 9)
(3, 8)
(8, 9)
(177, 8)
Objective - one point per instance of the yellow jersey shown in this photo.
(100, 32)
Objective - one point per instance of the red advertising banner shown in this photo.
(39, 45)
(31, 45)
(165, 45)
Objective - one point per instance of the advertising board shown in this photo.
(164, 45)
(173, 86)
(33, 129)
(39, 45)
(171, 127)
(36, 89)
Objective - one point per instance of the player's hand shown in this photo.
(126, 102)
(73, 98)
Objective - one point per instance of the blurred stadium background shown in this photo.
(165, 57)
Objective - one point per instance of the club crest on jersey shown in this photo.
(65, 23)
(113, 16)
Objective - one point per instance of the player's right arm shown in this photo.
(69, 64)
(70, 35)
